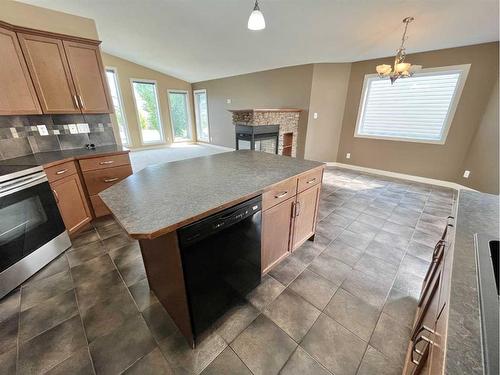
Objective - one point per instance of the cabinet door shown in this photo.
(305, 215)
(88, 75)
(72, 203)
(276, 229)
(17, 96)
(423, 335)
(50, 73)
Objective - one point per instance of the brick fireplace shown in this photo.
(283, 121)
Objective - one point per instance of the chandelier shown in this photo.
(401, 69)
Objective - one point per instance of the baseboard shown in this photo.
(215, 146)
(402, 176)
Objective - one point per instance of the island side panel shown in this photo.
(162, 260)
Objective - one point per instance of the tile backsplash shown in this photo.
(23, 135)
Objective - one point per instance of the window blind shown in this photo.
(414, 108)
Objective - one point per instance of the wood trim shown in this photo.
(163, 263)
(50, 34)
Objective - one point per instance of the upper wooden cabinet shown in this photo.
(17, 96)
(87, 71)
(50, 73)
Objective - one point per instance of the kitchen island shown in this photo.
(155, 205)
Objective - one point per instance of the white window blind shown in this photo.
(419, 108)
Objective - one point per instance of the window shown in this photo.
(148, 114)
(179, 115)
(201, 113)
(415, 109)
(114, 89)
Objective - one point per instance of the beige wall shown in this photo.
(328, 94)
(482, 157)
(127, 70)
(21, 14)
(442, 162)
(285, 87)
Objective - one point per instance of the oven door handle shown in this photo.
(13, 187)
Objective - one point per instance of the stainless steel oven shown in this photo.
(32, 232)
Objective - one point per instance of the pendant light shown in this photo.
(401, 69)
(256, 20)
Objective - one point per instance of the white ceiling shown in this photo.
(204, 39)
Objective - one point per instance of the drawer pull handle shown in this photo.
(311, 180)
(281, 195)
(422, 353)
(106, 162)
(297, 209)
(61, 171)
(111, 179)
(76, 102)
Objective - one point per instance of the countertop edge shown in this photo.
(189, 220)
(475, 213)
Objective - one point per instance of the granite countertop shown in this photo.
(164, 197)
(44, 158)
(476, 213)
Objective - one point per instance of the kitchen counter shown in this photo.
(161, 198)
(55, 157)
(476, 213)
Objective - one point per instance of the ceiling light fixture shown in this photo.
(256, 20)
(401, 69)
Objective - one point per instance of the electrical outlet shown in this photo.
(348, 155)
(315, 115)
(13, 131)
(228, 101)
(42, 129)
(466, 174)
(83, 128)
(73, 129)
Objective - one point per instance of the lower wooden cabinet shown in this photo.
(288, 224)
(72, 203)
(305, 215)
(277, 225)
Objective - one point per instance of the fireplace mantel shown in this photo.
(265, 110)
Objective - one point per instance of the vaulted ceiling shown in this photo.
(204, 39)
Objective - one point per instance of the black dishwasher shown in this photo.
(221, 261)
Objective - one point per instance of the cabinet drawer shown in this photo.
(309, 179)
(104, 162)
(100, 180)
(99, 207)
(279, 193)
(60, 171)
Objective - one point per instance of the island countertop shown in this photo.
(477, 213)
(161, 198)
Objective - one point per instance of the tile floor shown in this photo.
(342, 304)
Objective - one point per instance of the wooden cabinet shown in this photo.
(288, 218)
(17, 95)
(277, 225)
(305, 215)
(50, 73)
(87, 71)
(425, 353)
(102, 172)
(43, 72)
(72, 202)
